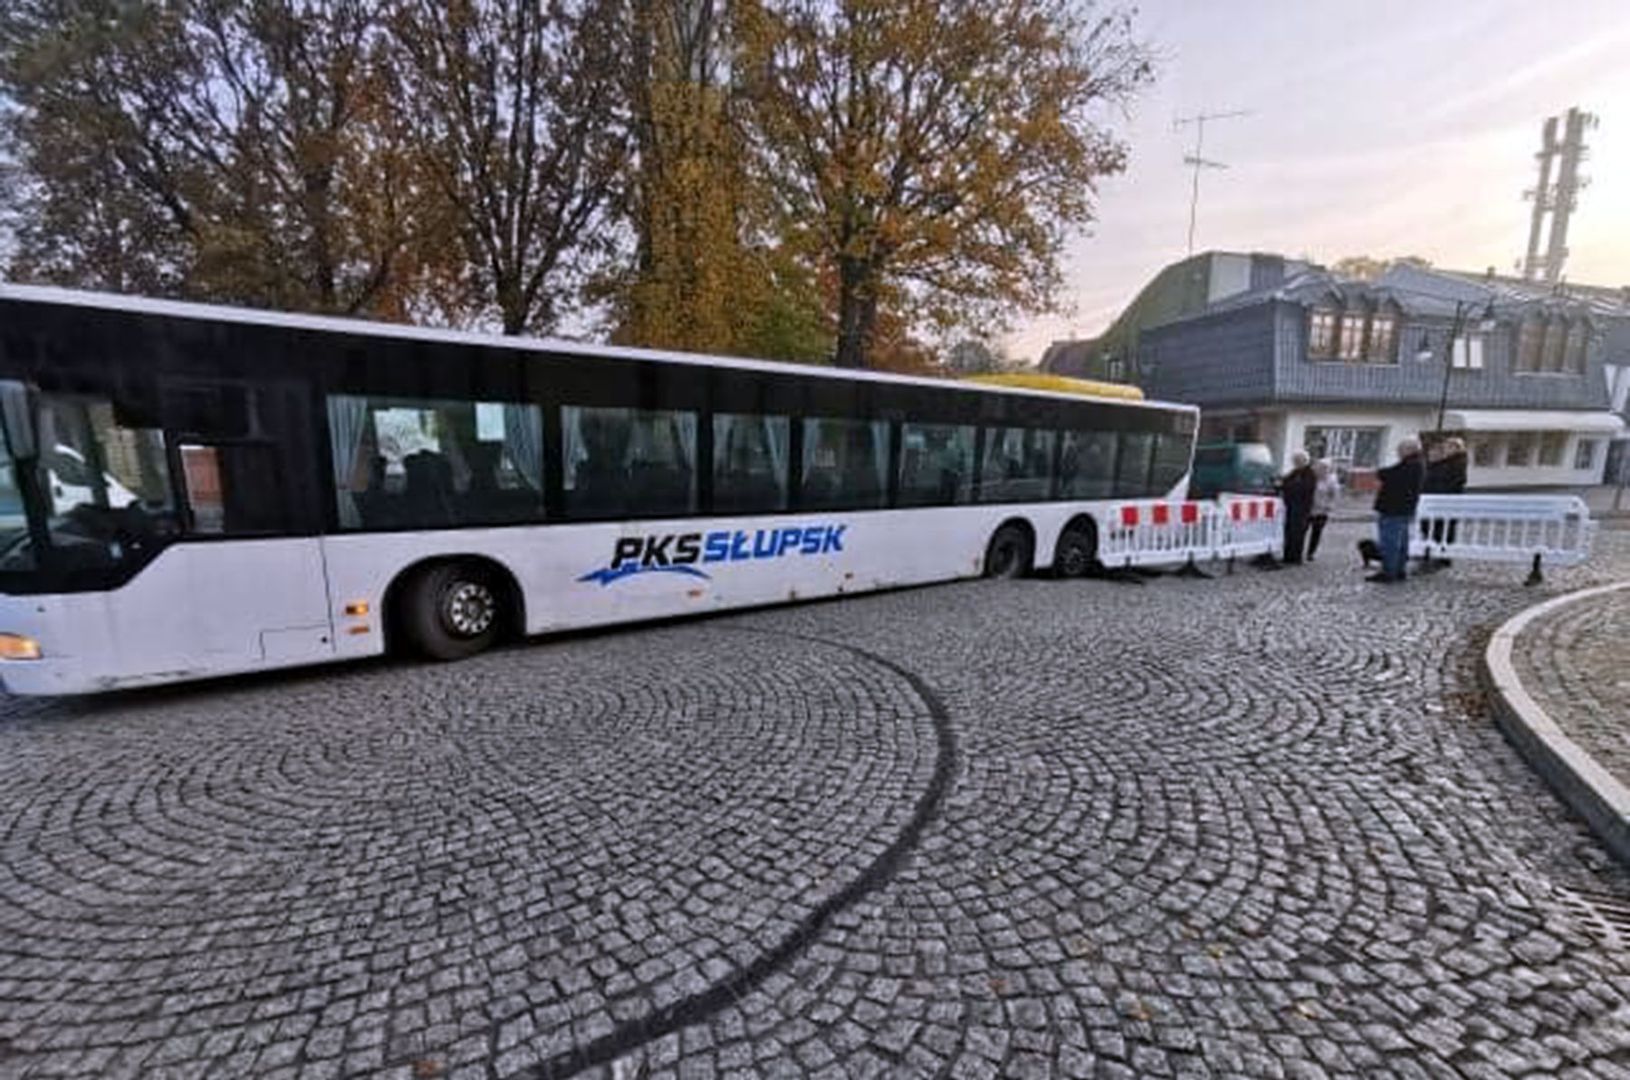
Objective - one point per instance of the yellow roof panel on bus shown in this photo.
(1059, 384)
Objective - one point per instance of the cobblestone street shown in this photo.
(1258, 826)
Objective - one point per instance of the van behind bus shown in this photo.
(1245, 468)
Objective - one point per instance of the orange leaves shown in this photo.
(948, 147)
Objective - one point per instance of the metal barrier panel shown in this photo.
(1503, 528)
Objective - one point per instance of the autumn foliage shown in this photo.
(799, 179)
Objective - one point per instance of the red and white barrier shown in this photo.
(1151, 533)
(1157, 533)
(1256, 525)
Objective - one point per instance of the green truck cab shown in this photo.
(1246, 468)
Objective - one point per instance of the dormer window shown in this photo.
(1578, 346)
(1321, 333)
(1383, 338)
(1468, 352)
(1530, 339)
(1352, 336)
(1556, 336)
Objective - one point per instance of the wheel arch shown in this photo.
(1020, 521)
(512, 598)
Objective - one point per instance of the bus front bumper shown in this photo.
(38, 654)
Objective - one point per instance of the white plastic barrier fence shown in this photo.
(1152, 533)
(1255, 526)
(1140, 534)
(1554, 529)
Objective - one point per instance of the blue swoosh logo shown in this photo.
(606, 575)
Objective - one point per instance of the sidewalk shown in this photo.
(1560, 693)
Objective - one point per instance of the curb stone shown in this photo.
(1593, 792)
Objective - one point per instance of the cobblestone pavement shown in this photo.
(1575, 662)
(1259, 826)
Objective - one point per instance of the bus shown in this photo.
(189, 490)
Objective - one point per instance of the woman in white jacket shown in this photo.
(1325, 491)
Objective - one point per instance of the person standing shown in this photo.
(1326, 489)
(1296, 488)
(1445, 475)
(1395, 507)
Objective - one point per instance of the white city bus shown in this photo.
(189, 491)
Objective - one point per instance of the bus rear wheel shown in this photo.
(452, 610)
(1010, 553)
(1076, 554)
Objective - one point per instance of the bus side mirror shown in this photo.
(17, 414)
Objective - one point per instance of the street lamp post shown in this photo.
(1456, 328)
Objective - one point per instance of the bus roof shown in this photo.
(1063, 384)
(182, 309)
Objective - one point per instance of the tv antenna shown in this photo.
(1197, 160)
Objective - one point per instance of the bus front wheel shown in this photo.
(452, 610)
(1010, 553)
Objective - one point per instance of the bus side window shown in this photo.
(750, 463)
(936, 464)
(414, 463)
(628, 462)
(1171, 461)
(1018, 465)
(1087, 465)
(233, 489)
(845, 464)
(1136, 460)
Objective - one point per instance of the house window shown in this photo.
(1383, 338)
(1469, 352)
(1347, 447)
(1529, 342)
(1584, 455)
(1556, 336)
(1578, 345)
(1352, 336)
(1519, 452)
(1484, 449)
(1552, 445)
(1321, 334)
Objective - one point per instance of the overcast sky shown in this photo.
(1385, 127)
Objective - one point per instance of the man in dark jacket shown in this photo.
(1395, 507)
(1296, 488)
(1445, 475)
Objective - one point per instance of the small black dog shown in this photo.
(1369, 551)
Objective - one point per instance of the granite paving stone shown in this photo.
(1256, 826)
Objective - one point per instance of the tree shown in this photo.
(685, 190)
(933, 155)
(245, 152)
(516, 107)
(1366, 268)
(969, 357)
(707, 273)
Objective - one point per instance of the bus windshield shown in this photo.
(101, 492)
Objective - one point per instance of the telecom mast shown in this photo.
(1557, 200)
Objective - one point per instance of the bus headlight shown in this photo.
(18, 647)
